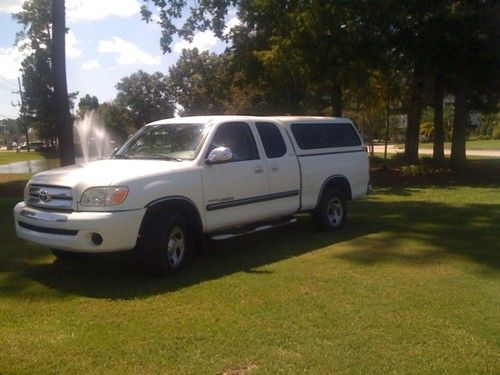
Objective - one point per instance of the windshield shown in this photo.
(165, 141)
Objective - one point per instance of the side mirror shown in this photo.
(219, 155)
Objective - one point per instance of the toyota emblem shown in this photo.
(44, 196)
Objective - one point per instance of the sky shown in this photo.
(107, 40)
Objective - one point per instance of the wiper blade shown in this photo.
(163, 157)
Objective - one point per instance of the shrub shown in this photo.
(496, 132)
(398, 157)
(412, 170)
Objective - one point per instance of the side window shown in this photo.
(325, 135)
(239, 138)
(273, 142)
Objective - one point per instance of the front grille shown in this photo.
(50, 197)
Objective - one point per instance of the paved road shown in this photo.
(392, 149)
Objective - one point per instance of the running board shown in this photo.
(246, 230)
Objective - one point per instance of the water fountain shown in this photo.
(92, 140)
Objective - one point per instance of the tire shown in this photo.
(66, 256)
(165, 245)
(331, 213)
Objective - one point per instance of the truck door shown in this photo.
(235, 191)
(283, 168)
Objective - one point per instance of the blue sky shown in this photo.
(107, 41)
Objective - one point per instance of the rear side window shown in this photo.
(271, 137)
(325, 135)
(239, 138)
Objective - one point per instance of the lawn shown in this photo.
(482, 144)
(13, 156)
(412, 285)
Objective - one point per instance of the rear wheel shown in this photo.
(331, 213)
(165, 245)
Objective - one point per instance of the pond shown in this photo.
(30, 166)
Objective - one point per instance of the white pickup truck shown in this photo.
(183, 179)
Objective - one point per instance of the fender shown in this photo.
(177, 198)
(327, 181)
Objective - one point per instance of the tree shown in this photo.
(473, 38)
(38, 106)
(146, 96)
(86, 104)
(63, 116)
(438, 121)
(46, 103)
(293, 51)
(304, 56)
(200, 82)
(116, 119)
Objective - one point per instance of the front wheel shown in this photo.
(331, 213)
(165, 245)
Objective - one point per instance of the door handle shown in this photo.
(259, 170)
(275, 168)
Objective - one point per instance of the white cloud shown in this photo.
(85, 9)
(204, 40)
(99, 9)
(11, 58)
(92, 64)
(128, 53)
(10, 61)
(233, 22)
(72, 51)
(10, 6)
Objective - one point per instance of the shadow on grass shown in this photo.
(12, 188)
(440, 232)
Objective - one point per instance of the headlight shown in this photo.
(104, 196)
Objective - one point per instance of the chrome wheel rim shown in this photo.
(176, 247)
(335, 211)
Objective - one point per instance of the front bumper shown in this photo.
(73, 231)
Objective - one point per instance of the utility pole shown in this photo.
(21, 114)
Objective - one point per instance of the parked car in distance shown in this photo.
(34, 146)
(179, 180)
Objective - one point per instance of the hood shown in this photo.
(106, 172)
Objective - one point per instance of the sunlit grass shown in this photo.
(13, 156)
(411, 285)
(479, 144)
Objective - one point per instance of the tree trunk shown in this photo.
(438, 148)
(387, 125)
(63, 117)
(414, 116)
(459, 126)
(27, 139)
(337, 99)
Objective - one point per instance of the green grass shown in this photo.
(482, 144)
(411, 285)
(13, 156)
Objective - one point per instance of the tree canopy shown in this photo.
(146, 96)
